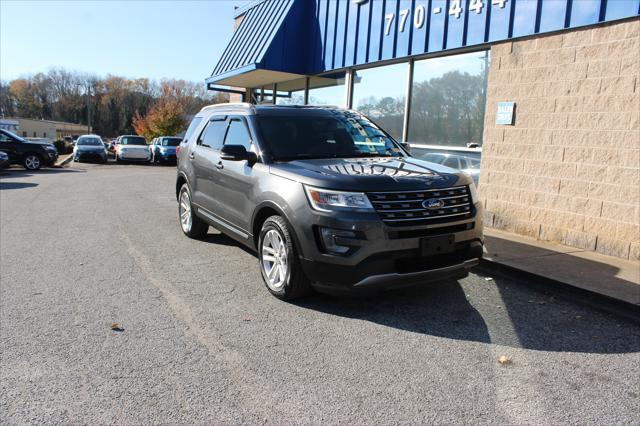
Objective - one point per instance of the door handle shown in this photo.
(219, 166)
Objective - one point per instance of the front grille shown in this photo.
(406, 209)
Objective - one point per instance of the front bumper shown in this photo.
(168, 157)
(91, 156)
(51, 159)
(385, 256)
(134, 156)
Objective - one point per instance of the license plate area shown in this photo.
(440, 244)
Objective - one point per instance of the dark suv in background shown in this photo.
(32, 155)
(328, 199)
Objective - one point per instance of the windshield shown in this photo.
(344, 134)
(89, 141)
(13, 135)
(171, 141)
(133, 140)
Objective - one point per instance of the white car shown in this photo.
(132, 148)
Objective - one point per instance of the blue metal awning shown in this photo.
(281, 40)
(256, 54)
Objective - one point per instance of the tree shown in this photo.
(110, 103)
(165, 117)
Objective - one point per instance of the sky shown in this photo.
(134, 38)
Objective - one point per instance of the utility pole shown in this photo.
(88, 108)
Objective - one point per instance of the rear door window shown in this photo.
(451, 162)
(213, 135)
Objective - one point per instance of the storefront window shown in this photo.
(327, 90)
(291, 92)
(448, 100)
(380, 94)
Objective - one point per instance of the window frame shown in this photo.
(213, 118)
(243, 120)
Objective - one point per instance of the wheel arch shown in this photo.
(265, 210)
(180, 180)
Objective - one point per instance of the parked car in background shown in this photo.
(327, 199)
(90, 147)
(4, 160)
(132, 148)
(466, 160)
(163, 149)
(32, 155)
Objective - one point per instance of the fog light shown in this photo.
(331, 240)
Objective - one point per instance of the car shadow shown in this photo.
(16, 185)
(26, 173)
(502, 313)
(498, 311)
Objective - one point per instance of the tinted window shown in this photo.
(340, 135)
(213, 135)
(171, 141)
(133, 140)
(89, 141)
(238, 134)
(7, 136)
(451, 162)
(192, 127)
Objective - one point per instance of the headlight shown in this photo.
(325, 200)
(474, 193)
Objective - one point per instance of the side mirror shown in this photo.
(406, 146)
(238, 153)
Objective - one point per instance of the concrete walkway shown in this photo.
(609, 276)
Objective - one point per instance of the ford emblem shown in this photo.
(433, 204)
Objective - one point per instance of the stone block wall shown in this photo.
(568, 170)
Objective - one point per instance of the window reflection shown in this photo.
(448, 100)
(380, 94)
(291, 92)
(327, 90)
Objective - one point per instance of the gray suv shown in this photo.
(327, 199)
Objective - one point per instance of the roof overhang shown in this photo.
(250, 76)
(269, 45)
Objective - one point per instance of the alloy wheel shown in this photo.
(185, 211)
(32, 162)
(274, 260)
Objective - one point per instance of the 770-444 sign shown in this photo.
(419, 14)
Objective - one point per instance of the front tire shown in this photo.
(279, 263)
(32, 162)
(192, 226)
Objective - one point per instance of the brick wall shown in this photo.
(568, 170)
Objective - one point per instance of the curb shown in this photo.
(567, 291)
(64, 161)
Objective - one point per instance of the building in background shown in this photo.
(47, 129)
(550, 89)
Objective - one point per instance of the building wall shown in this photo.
(568, 170)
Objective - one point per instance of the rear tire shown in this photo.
(192, 226)
(279, 262)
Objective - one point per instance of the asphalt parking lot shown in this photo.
(201, 340)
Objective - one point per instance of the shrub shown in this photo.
(63, 146)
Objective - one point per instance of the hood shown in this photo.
(38, 143)
(370, 174)
(90, 148)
